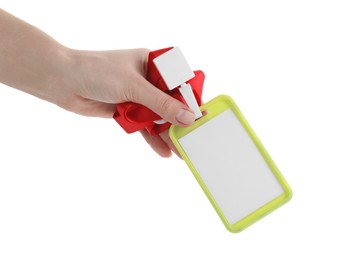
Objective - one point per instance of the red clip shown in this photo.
(133, 117)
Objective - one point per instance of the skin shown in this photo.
(89, 83)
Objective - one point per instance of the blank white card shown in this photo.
(231, 166)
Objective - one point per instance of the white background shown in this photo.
(80, 188)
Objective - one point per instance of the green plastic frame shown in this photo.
(213, 108)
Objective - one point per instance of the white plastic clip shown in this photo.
(188, 95)
(175, 71)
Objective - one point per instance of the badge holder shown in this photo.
(226, 157)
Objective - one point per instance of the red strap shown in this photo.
(133, 117)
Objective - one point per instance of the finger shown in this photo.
(92, 108)
(99, 109)
(165, 137)
(169, 108)
(156, 142)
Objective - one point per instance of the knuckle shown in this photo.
(164, 103)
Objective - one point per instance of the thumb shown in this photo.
(167, 107)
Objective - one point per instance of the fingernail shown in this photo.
(185, 117)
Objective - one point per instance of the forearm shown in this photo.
(30, 60)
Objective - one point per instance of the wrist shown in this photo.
(61, 77)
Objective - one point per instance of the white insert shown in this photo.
(231, 166)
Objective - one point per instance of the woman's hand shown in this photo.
(89, 83)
